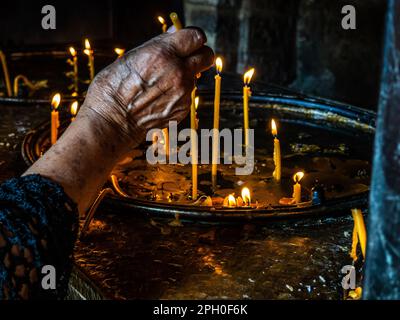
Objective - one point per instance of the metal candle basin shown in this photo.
(313, 112)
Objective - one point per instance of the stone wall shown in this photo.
(298, 43)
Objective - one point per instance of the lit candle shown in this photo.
(360, 231)
(175, 20)
(193, 141)
(217, 98)
(246, 95)
(6, 74)
(246, 196)
(74, 110)
(277, 153)
(74, 63)
(55, 102)
(297, 187)
(163, 24)
(165, 130)
(165, 133)
(89, 52)
(119, 51)
(229, 201)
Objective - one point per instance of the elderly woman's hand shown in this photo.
(145, 89)
(150, 85)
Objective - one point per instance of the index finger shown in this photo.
(186, 41)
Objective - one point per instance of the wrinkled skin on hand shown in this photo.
(150, 85)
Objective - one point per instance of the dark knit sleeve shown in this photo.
(38, 230)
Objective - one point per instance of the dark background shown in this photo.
(295, 43)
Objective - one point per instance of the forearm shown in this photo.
(82, 158)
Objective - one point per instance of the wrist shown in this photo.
(116, 136)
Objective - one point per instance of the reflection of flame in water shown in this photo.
(209, 261)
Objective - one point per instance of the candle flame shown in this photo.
(246, 196)
(218, 64)
(247, 76)
(72, 51)
(196, 102)
(74, 108)
(87, 44)
(161, 19)
(120, 52)
(298, 176)
(274, 128)
(55, 102)
(87, 47)
(231, 201)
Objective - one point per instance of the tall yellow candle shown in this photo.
(359, 227)
(74, 110)
(215, 146)
(89, 52)
(297, 187)
(75, 69)
(246, 95)
(163, 24)
(55, 102)
(175, 20)
(5, 73)
(193, 141)
(277, 153)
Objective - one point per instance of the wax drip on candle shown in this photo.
(277, 153)
(163, 23)
(246, 95)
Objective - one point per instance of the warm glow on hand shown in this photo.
(196, 102)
